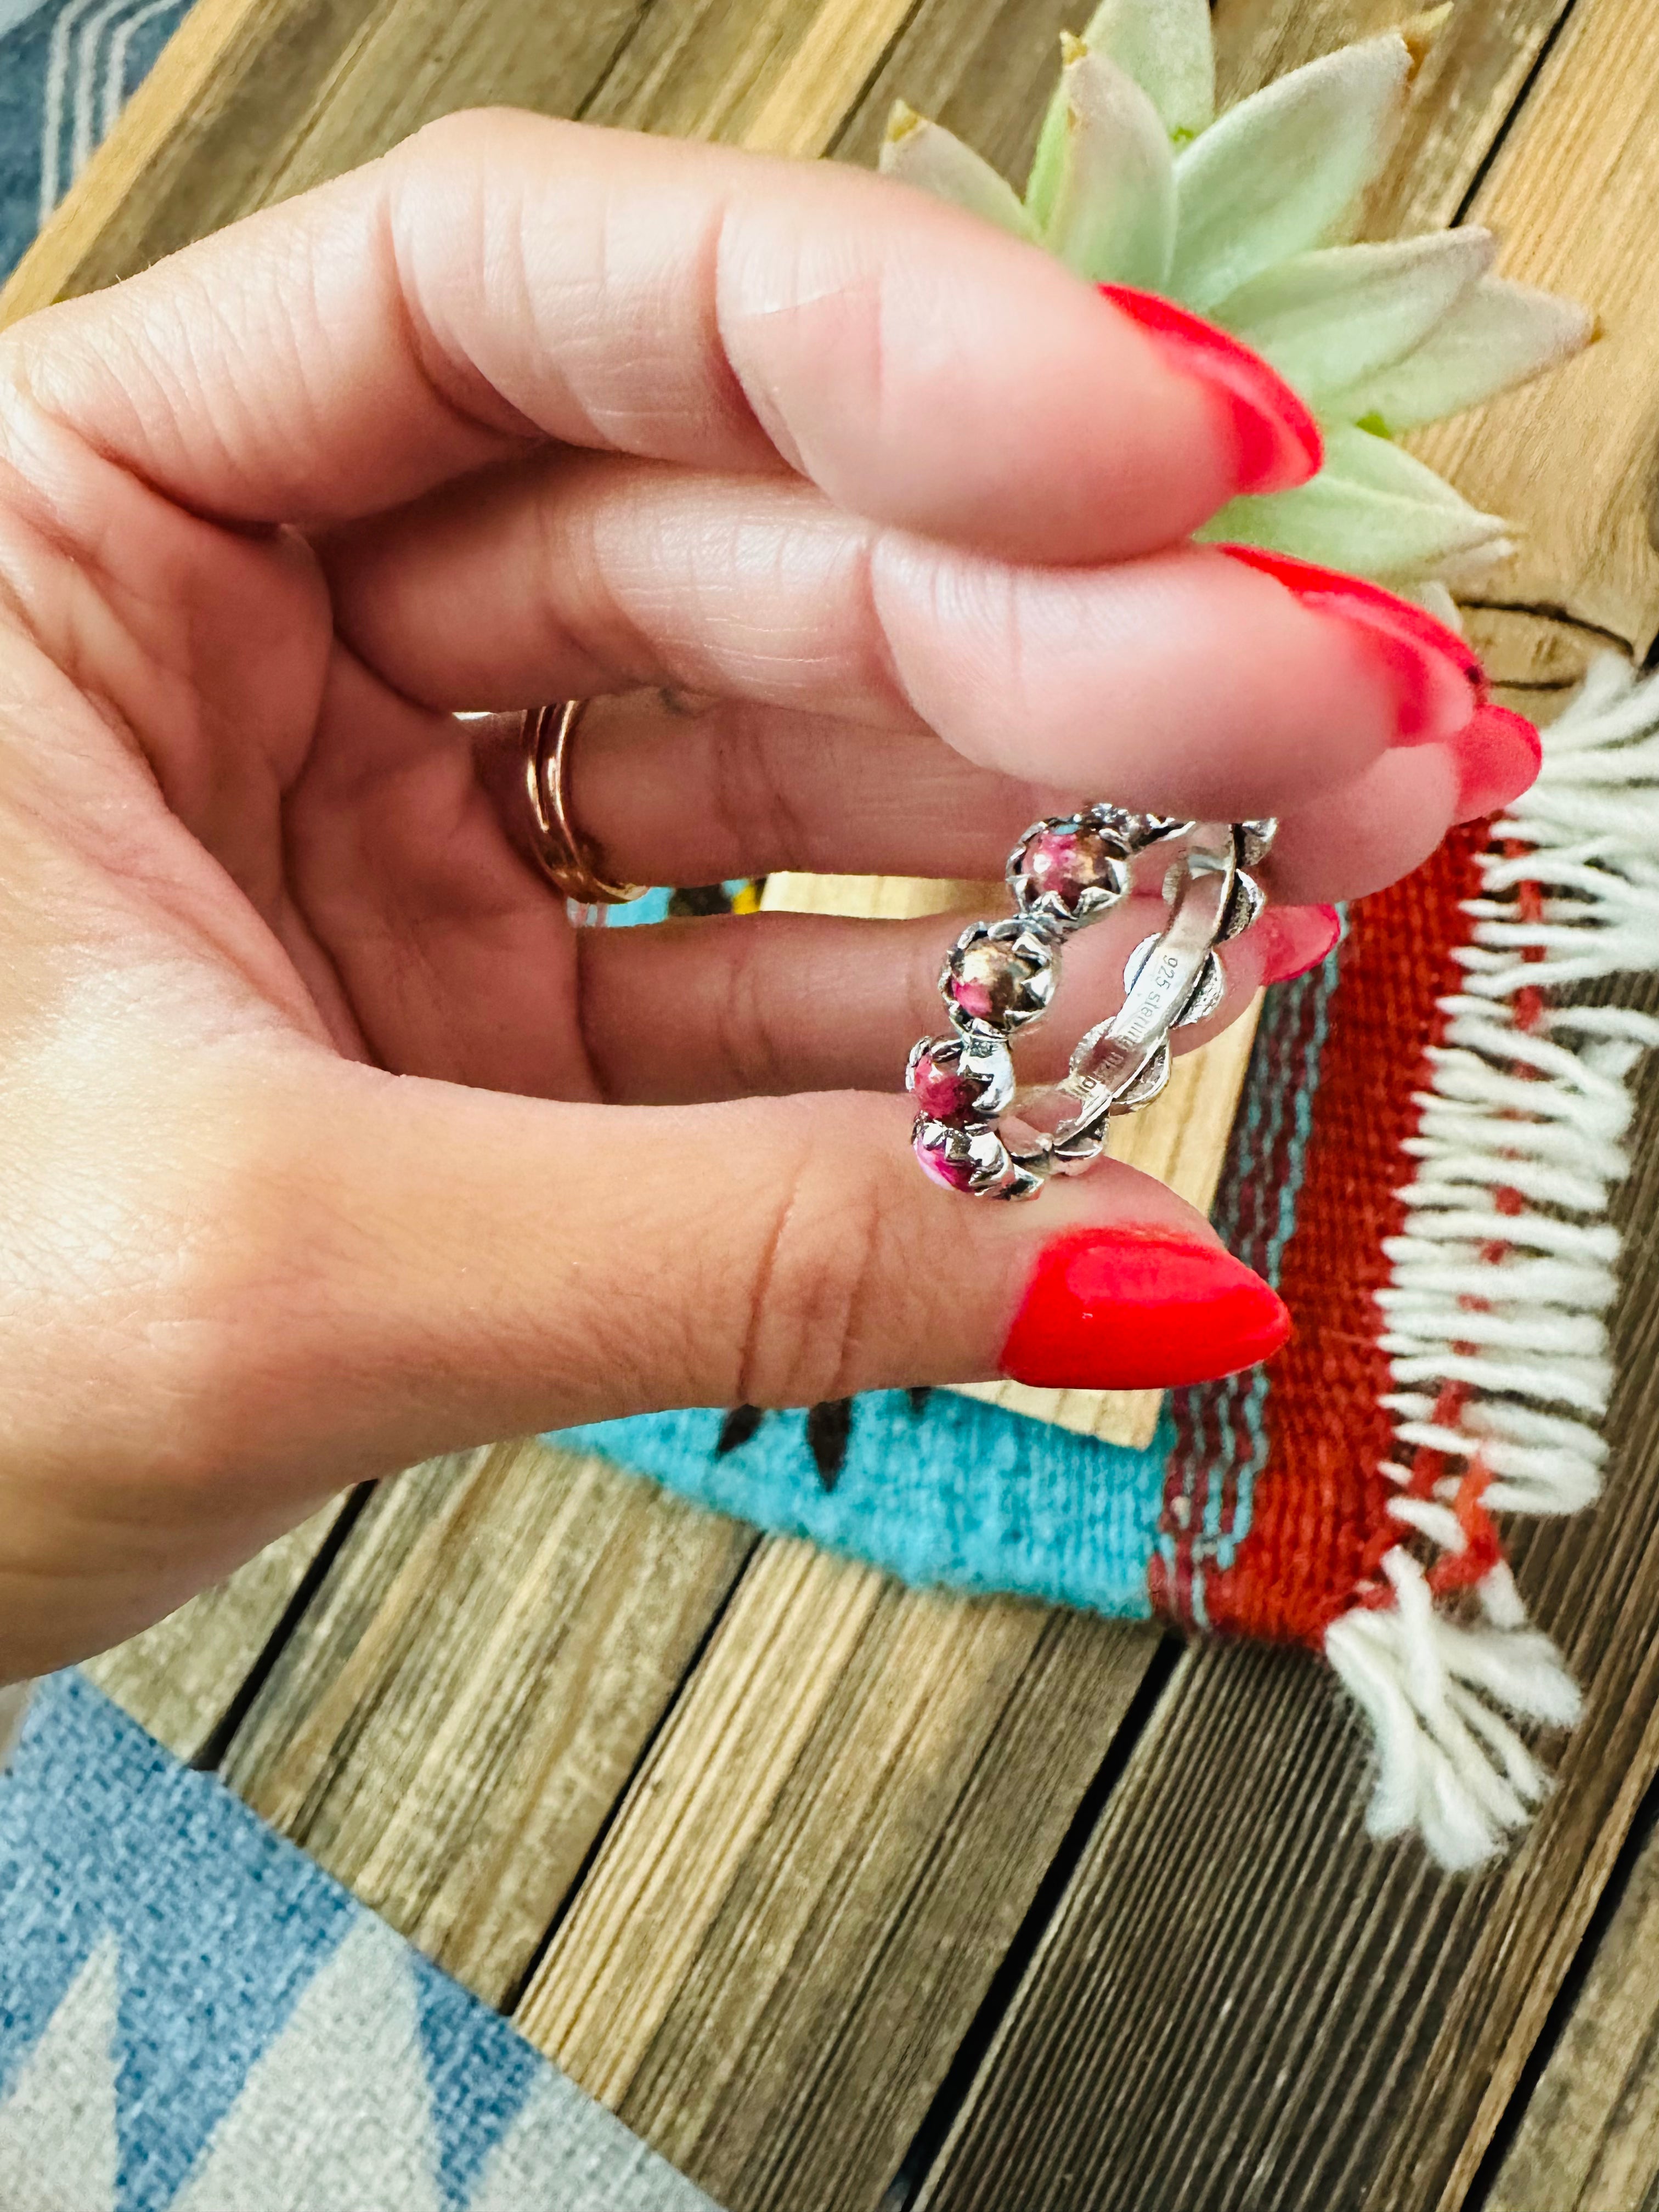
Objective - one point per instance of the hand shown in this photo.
(329, 1144)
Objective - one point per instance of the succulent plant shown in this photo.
(1244, 217)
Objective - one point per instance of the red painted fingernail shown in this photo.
(1275, 441)
(1498, 758)
(1137, 1308)
(1436, 680)
(1296, 939)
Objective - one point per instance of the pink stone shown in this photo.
(977, 1000)
(942, 1091)
(1069, 862)
(989, 980)
(954, 1174)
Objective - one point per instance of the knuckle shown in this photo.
(753, 1022)
(751, 793)
(813, 1304)
(467, 135)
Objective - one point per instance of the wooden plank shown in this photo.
(451, 1724)
(1476, 71)
(1389, 2011)
(983, 68)
(178, 1678)
(1588, 2139)
(196, 143)
(1571, 192)
(254, 99)
(811, 1882)
(1535, 660)
(773, 75)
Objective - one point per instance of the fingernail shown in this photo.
(1498, 757)
(1436, 679)
(1137, 1308)
(1275, 441)
(1297, 939)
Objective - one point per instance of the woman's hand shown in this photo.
(867, 523)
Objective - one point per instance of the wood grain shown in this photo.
(775, 75)
(178, 1678)
(1571, 192)
(1588, 2140)
(196, 144)
(1467, 88)
(814, 1878)
(448, 1728)
(983, 68)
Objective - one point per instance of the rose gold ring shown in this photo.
(571, 862)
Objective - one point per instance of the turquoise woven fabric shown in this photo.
(946, 1491)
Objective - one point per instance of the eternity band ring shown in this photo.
(975, 1130)
(571, 862)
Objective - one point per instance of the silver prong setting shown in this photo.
(999, 976)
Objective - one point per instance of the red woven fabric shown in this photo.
(1318, 1525)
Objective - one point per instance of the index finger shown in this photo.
(504, 278)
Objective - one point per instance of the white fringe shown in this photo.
(1509, 1301)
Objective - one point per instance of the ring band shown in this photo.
(571, 862)
(998, 976)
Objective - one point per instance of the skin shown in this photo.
(328, 1144)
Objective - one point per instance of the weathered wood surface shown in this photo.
(812, 1882)
(744, 1833)
(449, 1728)
(1588, 2138)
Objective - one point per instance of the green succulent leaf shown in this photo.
(1135, 181)
(1372, 509)
(1279, 173)
(934, 160)
(1111, 209)
(1330, 319)
(1498, 336)
(1166, 46)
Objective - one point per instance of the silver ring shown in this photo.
(972, 1133)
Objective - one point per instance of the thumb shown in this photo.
(483, 1265)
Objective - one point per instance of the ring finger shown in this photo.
(1184, 681)
(673, 790)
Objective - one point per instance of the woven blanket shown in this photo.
(194, 2019)
(1422, 1167)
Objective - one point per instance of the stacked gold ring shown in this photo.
(571, 862)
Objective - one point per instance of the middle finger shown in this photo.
(1184, 682)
